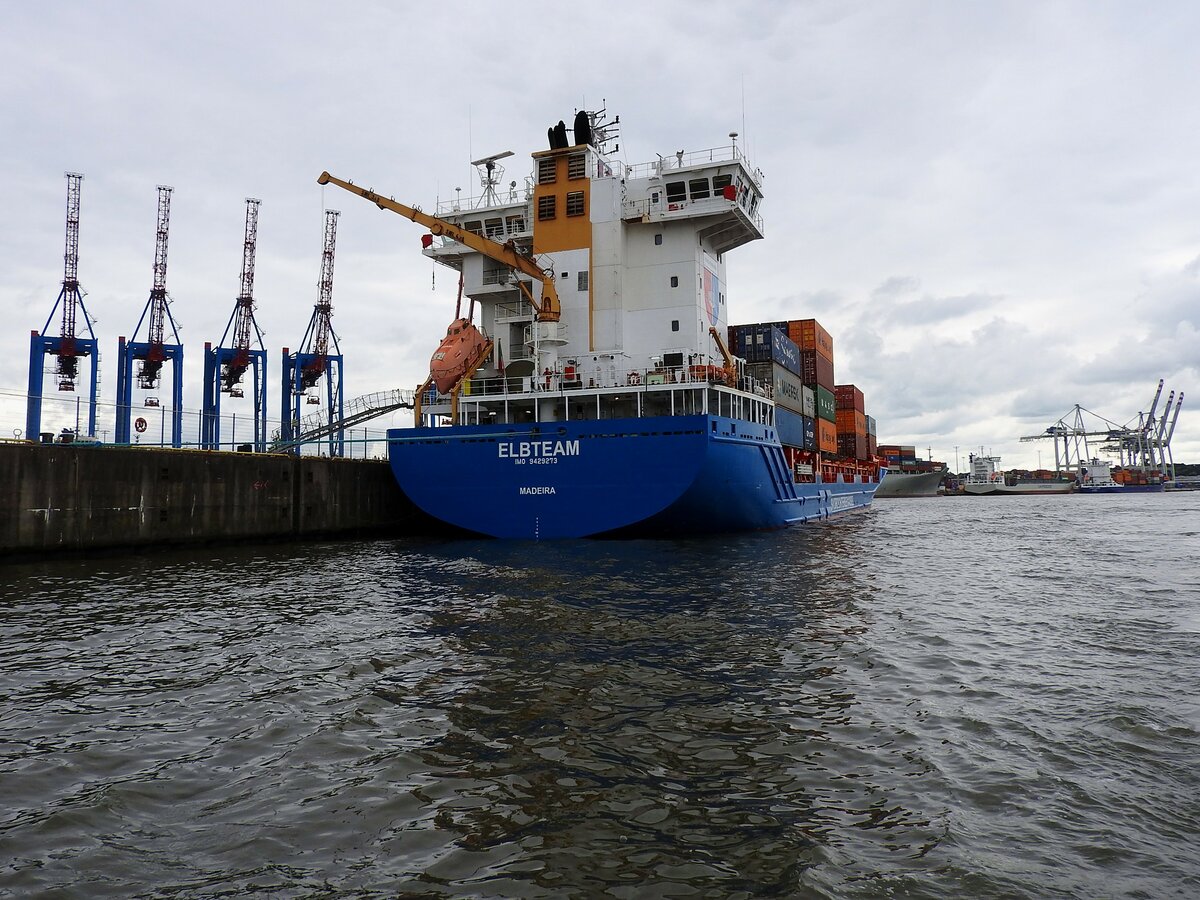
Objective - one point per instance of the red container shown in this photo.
(816, 370)
(849, 397)
(852, 445)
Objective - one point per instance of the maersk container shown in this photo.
(790, 426)
(826, 408)
(765, 343)
(785, 384)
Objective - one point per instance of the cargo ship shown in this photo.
(985, 480)
(911, 484)
(1096, 477)
(595, 394)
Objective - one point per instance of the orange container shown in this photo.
(826, 436)
(850, 421)
(808, 334)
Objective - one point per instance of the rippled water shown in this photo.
(939, 698)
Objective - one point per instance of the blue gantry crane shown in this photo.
(227, 363)
(317, 363)
(68, 348)
(154, 351)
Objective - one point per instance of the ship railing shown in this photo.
(520, 310)
(685, 160)
(574, 379)
(642, 209)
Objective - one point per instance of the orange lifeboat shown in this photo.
(459, 350)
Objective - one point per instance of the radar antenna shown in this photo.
(490, 173)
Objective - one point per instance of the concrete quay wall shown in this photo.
(56, 497)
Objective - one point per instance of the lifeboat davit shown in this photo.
(459, 350)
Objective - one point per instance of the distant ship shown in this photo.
(1095, 477)
(985, 481)
(596, 394)
(910, 484)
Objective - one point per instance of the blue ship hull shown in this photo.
(665, 476)
(1122, 488)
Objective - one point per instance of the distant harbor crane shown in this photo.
(68, 347)
(319, 357)
(1082, 435)
(226, 364)
(155, 350)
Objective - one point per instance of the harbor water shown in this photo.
(944, 697)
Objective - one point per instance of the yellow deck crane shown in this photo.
(548, 310)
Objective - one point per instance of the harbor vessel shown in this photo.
(1096, 477)
(600, 397)
(910, 484)
(985, 480)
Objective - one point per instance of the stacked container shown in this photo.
(796, 359)
(851, 421)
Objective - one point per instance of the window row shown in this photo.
(548, 205)
(697, 188)
(547, 169)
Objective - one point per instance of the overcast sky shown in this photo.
(994, 208)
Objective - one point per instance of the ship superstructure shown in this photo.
(600, 395)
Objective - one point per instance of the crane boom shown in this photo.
(547, 311)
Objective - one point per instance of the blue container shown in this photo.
(790, 426)
(766, 343)
(810, 433)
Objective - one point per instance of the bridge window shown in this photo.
(721, 181)
(676, 192)
(698, 188)
(473, 225)
(547, 171)
(575, 203)
(576, 166)
(493, 228)
(516, 224)
(547, 207)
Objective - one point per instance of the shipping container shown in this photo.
(816, 370)
(810, 433)
(849, 397)
(764, 343)
(826, 436)
(786, 386)
(872, 446)
(851, 422)
(790, 426)
(889, 449)
(852, 445)
(871, 426)
(809, 335)
(825, 406)
(808, 398)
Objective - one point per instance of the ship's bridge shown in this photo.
(717, 187)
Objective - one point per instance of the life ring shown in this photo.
(635, 377)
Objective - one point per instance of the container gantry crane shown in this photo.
(155, 350)
(69, 347)
(226, 364)
(319, 358)
(1146, 446)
